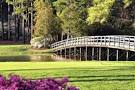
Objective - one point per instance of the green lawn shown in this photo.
(15, 50)
(86, 75)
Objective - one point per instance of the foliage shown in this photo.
(70, 13)
(16, 82)
(38, 39)
(100, 11)
(43, 19)
(40, 42)
(121, 17)
(37, 42)
(127, 3)
(116, 16)
(79, 17)
(18, 6)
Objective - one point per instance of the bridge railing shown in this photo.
(118, 41)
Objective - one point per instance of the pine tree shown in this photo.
(44, 18)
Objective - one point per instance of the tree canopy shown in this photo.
(81, 17)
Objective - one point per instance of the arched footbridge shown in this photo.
(114, 47)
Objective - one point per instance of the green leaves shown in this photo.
(127, 3)
(18, 6)
(44, 18)
(100, 11)
(76, 17)
(72, 16)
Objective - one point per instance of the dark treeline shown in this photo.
(61, 19)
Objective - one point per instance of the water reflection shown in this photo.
(31, 58)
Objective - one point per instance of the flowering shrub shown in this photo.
(16, 82)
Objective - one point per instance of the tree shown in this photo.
(21, 10)
(44, 18)
(71, 13)
(116, 16)
(122, 16)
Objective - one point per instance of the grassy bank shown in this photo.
(86, 75)
(15, 50)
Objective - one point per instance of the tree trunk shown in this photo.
(2, 20)
(31, 19)
(23, 29)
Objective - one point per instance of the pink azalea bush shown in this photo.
(15, 82)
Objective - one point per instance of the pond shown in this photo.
(32, 58)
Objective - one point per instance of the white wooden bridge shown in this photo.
(117, 42)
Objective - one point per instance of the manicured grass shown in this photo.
(86, 75)
(15, 50)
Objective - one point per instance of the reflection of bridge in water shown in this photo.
(117, 47)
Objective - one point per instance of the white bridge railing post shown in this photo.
(134, 43)
(129, 42)
(123, 42)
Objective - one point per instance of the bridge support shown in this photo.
(65, 53)
(93, 53)
(86, 53)
(100, 54)
(127, 54)
(97, 54)
(80, 53)
(108, 54)
(117, 55)
(99, 47)
(75, 53)
(61, 53)
(69, 53)
(56, 52)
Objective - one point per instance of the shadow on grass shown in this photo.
(89, 78)
(100, 68)
(92, 80)
(102, 76)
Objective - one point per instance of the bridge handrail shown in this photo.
(119, 41)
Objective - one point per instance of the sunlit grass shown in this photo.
(86, 75)
(15, 50)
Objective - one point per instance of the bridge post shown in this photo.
(65, 53)
(109, 40)
(108, 54)
(57, 52)
(75, 53)
(119, 41)
(61, 52)
(100, 53)
(97, 49)
(105, 41)
(129, 42)
(86, 53)
(69, 53)
(101, 40)
(124, 41)
(127, 55)
(114, 41)
(93, 53)
(117, 55)
(134, 43)
(80, 53)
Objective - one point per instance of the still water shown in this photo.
(31, 58)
